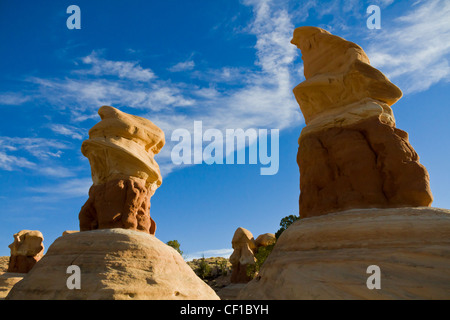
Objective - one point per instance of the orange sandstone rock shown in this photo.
(266, 239)
(327, 257)
(245, 247)
(338, 73)
(120, 150)
(26, 250)
(115, 264)
(350, 154)
(243, 255)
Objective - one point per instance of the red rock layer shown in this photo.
(239, 274)
(21, 264)
(364, 165)
(121, 203)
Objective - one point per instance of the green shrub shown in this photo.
(285, 223)
(261, 256)
(263, 252)
(204, 269)
(222, 265)
(176, 245)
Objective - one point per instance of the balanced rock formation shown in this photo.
(264, 240)
(364, 202)
(327, 257)
(125, 176)
(245, 247)
(114, 264)
(115, 255)
(350, 153)
(26, 250)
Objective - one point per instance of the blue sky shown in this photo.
(227, 63)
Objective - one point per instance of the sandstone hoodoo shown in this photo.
(245, 247)
(125, 176)
(365, 198)
(26, 250)
(350, 153)
(265, 239)
(115, 255)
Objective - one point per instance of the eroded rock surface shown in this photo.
(115, 264)
(350, 153)
(244, 247)
(327, 257)
(125, 175)
(365, 164)
(26, 250)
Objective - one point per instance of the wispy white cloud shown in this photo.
(10, 162)
(384, 3)
(56, 172)
(183, 66)
(414, 51)
(122, 69)
(35, 154)
(224, 75)
(70, 188)
(40, 148)
(86, 95)
(66, 130)
(207, 93)
(208, 254)
(13, 98)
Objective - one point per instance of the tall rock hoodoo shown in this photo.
(26, 250)
(350, 153)
(116, 252)
(120, 150)
(243, 255)
(365, 198)
(245, 247)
